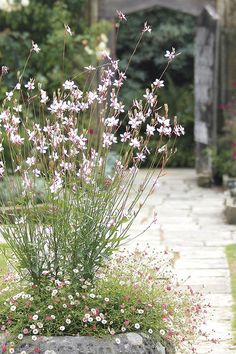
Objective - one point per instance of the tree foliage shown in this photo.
(169, 29)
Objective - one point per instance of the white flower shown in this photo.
(124, 137)
(18, 86)
(62, 328)
(32, 326)
(140, 157)
(150, 331)
(170, 55)
(134, 143)
(147, 28)
(68, 30)
(118, 341)
(64, 306)
(9, 95)
(98, 319)
(36, 172)
(104, 322)
(106, 299)
(20, 336)
(162, 332)
(35, 331)
(40, 325)
(158, 83)
(137, 326)
(31, 161)
(111, 122)
(30, 85)
(121, 16)
(69, 85)
(92, 296)
(150, 130)
(35, 47)
(4, 70)
(44, 97)
(34, 338)
(68, 321)
(90, 68)
(13, 308)
(140, 311)
(23, 352)
(35, 317)
(54, 292)
(75, 271)
(90, 319)
(108, 139)
(11, 350)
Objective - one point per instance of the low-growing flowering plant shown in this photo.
(134, 292)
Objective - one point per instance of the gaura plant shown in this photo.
(65, 141)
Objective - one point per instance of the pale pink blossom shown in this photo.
(121, 16)
(30, 85)
(146, 28)
(135, 143)
(158, 83)
(150, 129)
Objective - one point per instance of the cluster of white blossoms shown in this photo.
(62, 140)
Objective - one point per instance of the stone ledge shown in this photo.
(130, 343)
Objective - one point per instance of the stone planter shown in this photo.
(230, 207)
(229, 182)
(130, 343)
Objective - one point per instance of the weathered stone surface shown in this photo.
(130, 343)
(230, 210)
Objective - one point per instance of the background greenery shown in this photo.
(169, 29)
(43, 22)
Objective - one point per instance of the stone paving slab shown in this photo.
(191, 223)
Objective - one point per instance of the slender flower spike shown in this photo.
(121, 16)
(146, 28)
(35, 47)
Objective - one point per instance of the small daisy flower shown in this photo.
(34, 338)
(137, 326)
(20, 336)
(13, 308)
(35, 317)
(62, 328)
(162, 332)
(150, 331)
(68, 321)
(118, 341)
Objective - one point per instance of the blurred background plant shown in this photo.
(43, 22)
(177, 29)
(224, 156)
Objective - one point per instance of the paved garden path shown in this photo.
(191, 223)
